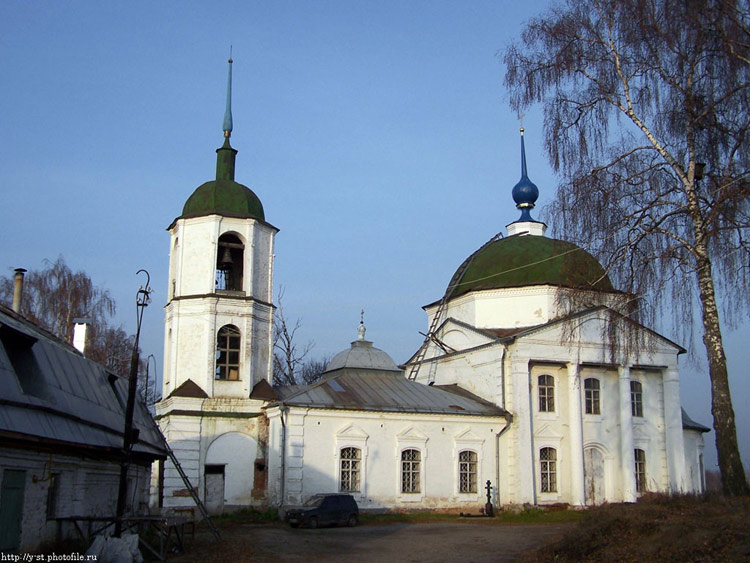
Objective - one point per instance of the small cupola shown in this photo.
(362, 355)
(525, 193)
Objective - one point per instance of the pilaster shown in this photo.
(522, 420)
(673, 431)
(627, 457)
(575, 421)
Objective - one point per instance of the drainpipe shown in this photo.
(18, 289)
(509, 420)
(282, 412)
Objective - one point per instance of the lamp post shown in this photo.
(130, 434)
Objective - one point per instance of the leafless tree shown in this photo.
(55, 295)
(312, 370)
(288, 357)
(637, 96)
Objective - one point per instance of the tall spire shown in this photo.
(225, 156)
(228, 112)
(525, 192)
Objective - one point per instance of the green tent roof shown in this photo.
(519, 261)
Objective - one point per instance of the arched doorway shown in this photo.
(228, 471)
(593, 472)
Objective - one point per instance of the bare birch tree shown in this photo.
(647, 120)
(55, 295)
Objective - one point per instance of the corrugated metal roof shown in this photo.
(51, 392)
(375, 390)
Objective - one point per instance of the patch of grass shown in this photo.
(539, 516)
(248, 516)
(530, 516)
(405, 517)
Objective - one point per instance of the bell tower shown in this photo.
(218, 341)
(219, 313)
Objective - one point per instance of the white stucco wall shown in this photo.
(221, 431)
(196, 311)
(571, 353)
(694, 464)
(314, 438)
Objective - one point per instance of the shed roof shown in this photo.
(689, 424)
(53, 395)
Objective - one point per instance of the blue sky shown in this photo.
(377, 135)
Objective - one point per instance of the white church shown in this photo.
(519, 383)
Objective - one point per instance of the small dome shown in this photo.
(224, 197)
(519, 261)
(525, 193)
(362, 355)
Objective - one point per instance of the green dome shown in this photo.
(224, 197)
(519, 261)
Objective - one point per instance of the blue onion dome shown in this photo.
(525, 192)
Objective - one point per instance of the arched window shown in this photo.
(546, 393)
(467, 472)
(640, 471)
(636, 398)
(229, 263)
(591, 390)
(548, 469)
(351, 458)
(410, 469)
(228, 353)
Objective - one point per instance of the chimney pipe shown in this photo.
(18, 290)
(80, 326)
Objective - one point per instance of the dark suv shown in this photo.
(323, 510)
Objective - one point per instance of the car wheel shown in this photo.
(352, 521)
(313, 523)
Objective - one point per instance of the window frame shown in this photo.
(548, 470)
(636, 399)
(223, 369)
(468, 468)
(350, 470)
(546, 393)
(641, 477)
(413, 468)
(592, 395)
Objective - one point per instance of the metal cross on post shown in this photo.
(488, 509)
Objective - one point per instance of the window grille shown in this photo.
(548, 469)
(467, 472)
(228, 353)
(546, 393)
(410, 469)
(591, 389)
(636, 398)
(350, 470)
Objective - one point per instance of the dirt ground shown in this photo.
(461, 541)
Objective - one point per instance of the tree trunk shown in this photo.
(733, 480)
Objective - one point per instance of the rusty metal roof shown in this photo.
(51, 394)
(376, 390)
